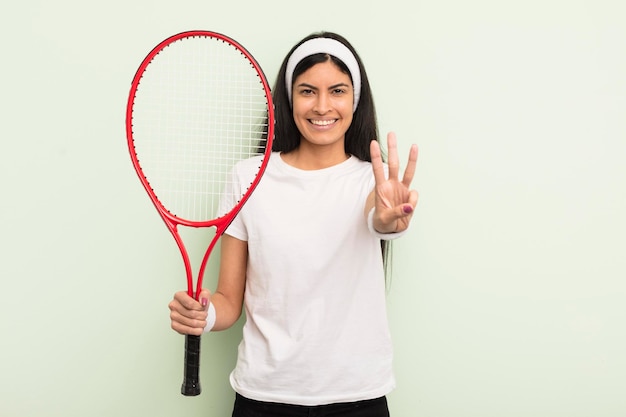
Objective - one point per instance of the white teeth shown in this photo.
(323, 122)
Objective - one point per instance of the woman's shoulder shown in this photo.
(253, 163)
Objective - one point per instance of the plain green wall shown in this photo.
(508, 296)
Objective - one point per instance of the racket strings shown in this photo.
(200, 108)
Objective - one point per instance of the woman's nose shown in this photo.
(322, 104)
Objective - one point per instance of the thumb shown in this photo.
(204, 297)
(402, 211)
(405, 210)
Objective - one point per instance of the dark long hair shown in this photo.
(364, 126)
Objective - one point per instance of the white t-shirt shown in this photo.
(316, 329)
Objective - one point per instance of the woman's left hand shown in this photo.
(392, 198)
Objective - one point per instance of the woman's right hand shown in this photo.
(188, 315)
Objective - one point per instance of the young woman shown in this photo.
(303, 257)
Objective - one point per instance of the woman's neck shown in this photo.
(310, 158)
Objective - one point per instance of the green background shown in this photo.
(507, 296)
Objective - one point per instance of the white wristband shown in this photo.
(211, 317)
(382, 236)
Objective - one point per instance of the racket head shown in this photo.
(198, 104)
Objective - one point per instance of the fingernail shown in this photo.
(407, 209)
(204, 301)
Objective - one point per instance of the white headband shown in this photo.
(325, 46)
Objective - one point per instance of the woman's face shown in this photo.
(322, 105)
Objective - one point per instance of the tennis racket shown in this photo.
(198, 104)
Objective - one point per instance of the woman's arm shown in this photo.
(228, 297)
(189, 316)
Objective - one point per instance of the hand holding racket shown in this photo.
(198, 104)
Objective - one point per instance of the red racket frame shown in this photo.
(172, 221)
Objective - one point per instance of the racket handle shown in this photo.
(191, 382)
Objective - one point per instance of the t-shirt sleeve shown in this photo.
(230, 196)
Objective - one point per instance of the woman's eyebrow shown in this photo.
(338, 85)
(309, 86)
(312, 87)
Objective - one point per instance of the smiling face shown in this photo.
(322, 106)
